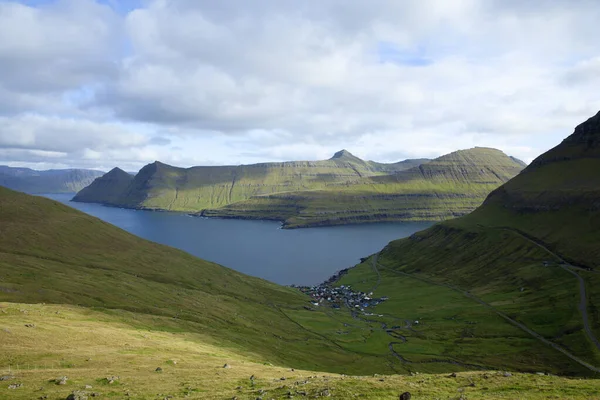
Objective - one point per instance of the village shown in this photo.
(336, 297)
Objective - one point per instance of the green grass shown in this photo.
(89, 346)
(443, 188)
(342, 190)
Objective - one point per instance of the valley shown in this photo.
(507, 292)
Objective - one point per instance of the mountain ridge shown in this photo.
(446, 187)
(164, 187)
(244, 191)
(46, 181)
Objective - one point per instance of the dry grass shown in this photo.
(89, 346)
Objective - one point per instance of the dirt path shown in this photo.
(374, 266)
(506, 317)
(570, 269)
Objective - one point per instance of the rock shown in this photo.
(30, 325)
(282, 378)
(78, 395)
(112, 379)
(6, 377)
(88, 387)
(452, 375)
(61, 381)
(405, 396)
(507, 374)
(159, 369)
(325, 393)
(15, 386)
(44, 397)
(226, 366)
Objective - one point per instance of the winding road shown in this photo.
(570, 269)
(506, 317)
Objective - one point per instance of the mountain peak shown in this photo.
(587, 132)
(116, 170)
(343, 154)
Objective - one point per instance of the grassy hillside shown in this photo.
(529, 255)
(50, 181)
(447, 187)
(88, 346)
(50, 253)
(161, 186)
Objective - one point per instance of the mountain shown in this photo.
(447, 187)
(105, 189)
(53, 254)
(529, 255)
(164, 187)
(49, 181)
(504, 288)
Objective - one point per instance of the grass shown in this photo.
(89, 346)
(443, 188)
(341, 190)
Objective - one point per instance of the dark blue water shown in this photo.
(259, 248)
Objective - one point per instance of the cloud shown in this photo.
(224, 82)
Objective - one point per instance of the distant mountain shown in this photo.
(105, 189)
(163, 187)
(49, 181)
(447, 187)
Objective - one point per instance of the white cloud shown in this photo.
(200, 81)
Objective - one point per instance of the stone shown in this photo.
(507, 374)
(30, 325)
(405, 396)
(61, 381)
(88, 387)
(15, 386)
(226, 366)
(159, 369)
(78, 395)
(6, 377)
(452, 375)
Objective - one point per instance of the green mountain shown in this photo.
(105, 189)
(341, 190)
(529, 255)
(49, 181)
(160, 186)
(512, 286)
(51, 253)
(447, 187)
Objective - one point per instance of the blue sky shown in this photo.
(196, 82)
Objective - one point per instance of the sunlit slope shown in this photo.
(512, 254)
(161, 186)
(447, 187)
(51, 253)
(91, 348)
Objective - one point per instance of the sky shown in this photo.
(99, 84)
